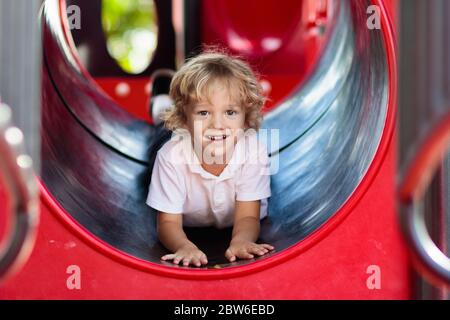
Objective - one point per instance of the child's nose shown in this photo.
(217, 121)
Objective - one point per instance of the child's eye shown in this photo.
(231, 112)
(203, 113)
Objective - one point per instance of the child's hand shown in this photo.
(189, 254)
(246, 250)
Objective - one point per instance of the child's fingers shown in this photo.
(203, 259)
(248, 256)
(177, 260)
(230, 256)
(196, 261)
(168, 257)
(267, 246)
(186, 261)
(257, 250)
(244, 254)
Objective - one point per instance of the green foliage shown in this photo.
(131, 31)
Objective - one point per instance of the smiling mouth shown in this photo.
(217, 137)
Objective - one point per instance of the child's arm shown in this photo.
(172, 236)
(246, 232)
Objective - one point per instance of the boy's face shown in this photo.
(215, 125)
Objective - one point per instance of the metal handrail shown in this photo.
(16, 169)
(433, 262)
(436, 263)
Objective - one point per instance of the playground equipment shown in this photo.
(332, 211)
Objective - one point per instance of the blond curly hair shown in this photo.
(191, 82)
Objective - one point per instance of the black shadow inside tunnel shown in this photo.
(330, 130)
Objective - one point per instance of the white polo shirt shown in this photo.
(180, 185)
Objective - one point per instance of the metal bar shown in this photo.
(424, 133)
(16, 168)
(20, 63)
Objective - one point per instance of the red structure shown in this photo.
(360, 242)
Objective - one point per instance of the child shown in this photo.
(213, 171)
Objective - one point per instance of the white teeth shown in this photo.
(214, 138)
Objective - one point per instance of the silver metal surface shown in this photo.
(330, 129)
(90, 106)
(424, 101)
(20, 68)
(431, 257)
(16, 170)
